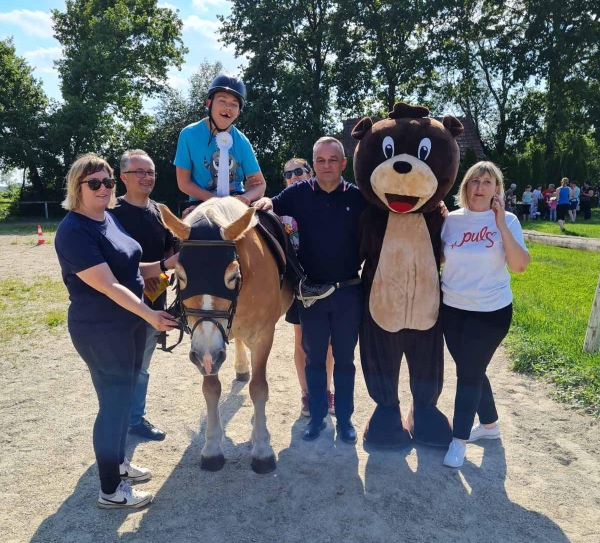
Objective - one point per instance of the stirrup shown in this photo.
(306, 303)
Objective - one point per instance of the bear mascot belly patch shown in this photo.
(404, 166)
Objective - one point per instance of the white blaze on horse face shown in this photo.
(207, 341)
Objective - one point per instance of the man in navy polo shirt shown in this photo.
(327, 210)
(140, 218)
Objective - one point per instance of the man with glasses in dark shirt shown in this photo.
(327, 210)
(140, 218)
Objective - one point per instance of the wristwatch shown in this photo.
(163, 268)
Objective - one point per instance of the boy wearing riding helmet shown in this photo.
(197, 157)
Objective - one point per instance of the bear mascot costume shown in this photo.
(404, 165)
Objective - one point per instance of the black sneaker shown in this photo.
(147, 430)
(309, 292)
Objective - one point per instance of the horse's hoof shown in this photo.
(264, 465)
(212, 463)
(243, 377)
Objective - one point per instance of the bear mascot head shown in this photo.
(404, 166)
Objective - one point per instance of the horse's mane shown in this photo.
(221, 211)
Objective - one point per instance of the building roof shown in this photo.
(467, 140)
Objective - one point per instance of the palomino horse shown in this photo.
(251, 280)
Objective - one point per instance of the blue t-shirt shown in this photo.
(327, 226)
(82, 243)
(563, 195)
(196, 154)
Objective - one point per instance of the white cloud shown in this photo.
(167, 5)
(43, 58)
(203, 5)
(33, 23)
(204, 27)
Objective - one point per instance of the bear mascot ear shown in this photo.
(361, 128)
(406, 111)
(453, 125)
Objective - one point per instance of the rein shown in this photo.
(181, 313)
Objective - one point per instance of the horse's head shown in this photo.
(209, 275)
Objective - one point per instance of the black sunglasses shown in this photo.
(296, 171)
(94, 183)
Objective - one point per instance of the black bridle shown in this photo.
(182, 313)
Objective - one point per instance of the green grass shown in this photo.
(580, 228)
(27, 228)
(31, 309)
(552, 303)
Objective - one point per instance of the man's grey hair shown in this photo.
(513, 186)
(329, 139)
(128, 155)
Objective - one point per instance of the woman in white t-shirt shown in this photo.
(480, 240)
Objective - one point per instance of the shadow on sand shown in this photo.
(316, 494)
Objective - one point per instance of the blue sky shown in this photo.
(29, 23)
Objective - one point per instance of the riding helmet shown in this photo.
(230, 84)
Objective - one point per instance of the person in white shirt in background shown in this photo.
(480, 240)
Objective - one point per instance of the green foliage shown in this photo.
(116, 52)
(23, 116)
(552, 302)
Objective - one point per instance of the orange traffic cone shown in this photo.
(41, 239)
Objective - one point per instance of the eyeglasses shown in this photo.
(140, 174)
(296, 171)
(95, 183)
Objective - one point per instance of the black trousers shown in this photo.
(586, 207)
(114, 355)
(338, 316)
(472, 338)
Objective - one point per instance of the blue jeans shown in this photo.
(113, 353)
(338, 316)
(138, 402)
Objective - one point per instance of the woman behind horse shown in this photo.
(101, 269)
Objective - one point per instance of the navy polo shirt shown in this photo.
(327, 227)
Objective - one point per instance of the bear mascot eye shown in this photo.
(424, 149)
(388, 147)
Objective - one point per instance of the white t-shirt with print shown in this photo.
(475, 277)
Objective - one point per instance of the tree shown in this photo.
(565, 37)
(292, 48)
(116, 52)
(484, 64)
(22, 114)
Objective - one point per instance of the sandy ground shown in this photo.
(540, 483)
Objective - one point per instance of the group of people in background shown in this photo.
(553, 204)
(113, 254)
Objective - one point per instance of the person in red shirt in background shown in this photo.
(546, 195)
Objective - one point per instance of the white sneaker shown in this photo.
(124, 497)
(479, 431)
(133, 473)
(456, 454)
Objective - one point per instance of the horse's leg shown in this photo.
(212, 457)
(242, 364)
(263, 457)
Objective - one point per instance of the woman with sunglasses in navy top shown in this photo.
(294, 170)
(101, 269)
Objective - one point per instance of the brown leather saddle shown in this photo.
(273, 232)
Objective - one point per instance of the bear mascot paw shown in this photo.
(404, 166)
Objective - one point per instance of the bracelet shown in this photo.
(163, 268)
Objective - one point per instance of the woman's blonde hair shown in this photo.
(477, 170)
(85, 165)
(302, 161)
(564, 181)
